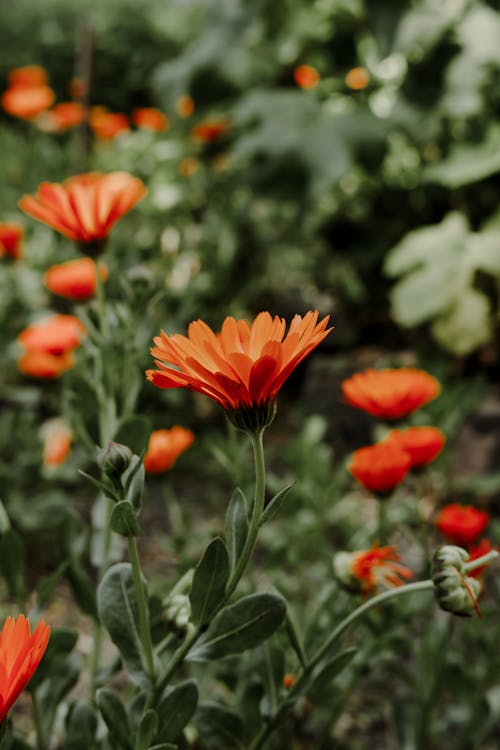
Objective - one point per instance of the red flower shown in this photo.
(242, 367)
(461, 524)
(27, 102)
(390, 394)
(20, 654)
(107, 125)
(165, 446)
(75, 279)
(422, 443)
(57, 335)
(367, 570)
(11, 236)
(150, 118)
(210, 131)
(85, 207)
(29, 75)
(306, 76)
(380, 467)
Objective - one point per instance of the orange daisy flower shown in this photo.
(423, 444)
(27, 102)
(210, 131)
(57, 438)
(20, 654)
(461, 524)
(390, 393)
(85, 207)
(165, 447)
(75, 279)
(380, 467)
(36, 364)
(107, 125)
(367, 570)
(57, 334)
(150, 118)
(242, 367)
(11, 236)
(306, 76)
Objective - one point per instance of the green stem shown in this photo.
(142, 606)
(383, 522)
(37, 717)
(101, 302)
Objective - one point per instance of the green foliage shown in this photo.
(209, 582)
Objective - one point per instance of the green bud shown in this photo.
(454, 590)
(252, 419)
(114, 461)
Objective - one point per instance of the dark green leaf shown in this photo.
(274, 505)
(61, 643)
(12, 558)
(236, 526)
(133, 480)
(209, 582)
(115, 716)
(100, 486)
(146, 731)
(176, 708)
(54, 689)
(240, 626)
(220, 728)
(81, 726)
(82, 587)
(123, 519)
(134, 432)
(321, 682)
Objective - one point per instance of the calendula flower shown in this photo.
(74, 279)
(57, 335)
(461, 524)
(165, 447)
(63, 116)
(184, 106)
(150, 118)
(357, 78)
(367, 570)
(36, 364)
(57, 438)
(85, 207)
(210, 131)
(380, 467)
(20, 654)
(391, 393)
(243, 367)
(422, 443)
(107, 125)
(27, 102)
(306, 76)
(11, 237)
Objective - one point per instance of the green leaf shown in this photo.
(61, 643)
(468, 162)
(274, 504)
(63, 677)
(134, 432)
(133, 480)
(322, 680)
(221, 728)
(123, 519)
(209, 582)
(176, 708)
(467, 325)
(12, 561)
(115, 717)
(242, 625)
(236, 526)
(82, 587)
(147, 729)
(97, 483)
(118, 611)
(81, 726)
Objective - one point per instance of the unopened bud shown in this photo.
(114, 461)
(454, 590)
(342, 570)
(178, 612)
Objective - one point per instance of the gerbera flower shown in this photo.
(75, 279)
(422, 443)
(11, 236)
(461, 524)
(380, 467)
(242, 367)
(85, 207)
(367, 570)
(20, 654)
(165, 447)
(390, 394)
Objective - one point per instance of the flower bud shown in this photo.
(114, 461)
(454, 590)
(342, 570)
(178, 612)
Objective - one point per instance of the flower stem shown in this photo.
(37, 718)
(142, 605)
(101, 302)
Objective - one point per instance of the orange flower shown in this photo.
(242, 367)
(422, 443)
(390, 394)
(461, 524)
(184, 106)
(64, 116)
(37, 364)
(380, 467)
(107, 125)
(165, 446)
(210, 131)
(189, 166)
(29, 75)
(357, 78)
(77, 88)
(55, 335)
(378, 566)
(150, 118)
(306, 76)
(289, 681)
(75, 279)
(27, 102)
(57, 439)
(85, 207)
(11, 236)
(20, 654)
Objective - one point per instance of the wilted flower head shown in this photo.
(242, 367)
(422, 443)
(461, 524)
(11, 236)
(367, 570)
(380, 467)
(306, 76)
(165, 447)
(20, 654)
(390, 393)
(74, 279)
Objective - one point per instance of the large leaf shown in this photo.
(209, 582)
(242, 625)
(115, 717)
(176, 708)
(468, 162)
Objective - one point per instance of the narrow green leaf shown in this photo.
(240, 626)
(133, 480)
(274, 505)
(115, 717)
(294, 637)
(221, 728)
(123, 519)
(100, 486)
(209, 582)
(321, 681)
(176, 708)
(236, 526)
(146, 731)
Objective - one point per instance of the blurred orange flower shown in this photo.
(20, 654)
(476, 551)
(107, 125)
(57, 439)
(165, 446)
(357, 78)
(461, 524)
(378, 566)
(75, 279)
(243, 367)
(306, 76)
(27, 102)
(11, 236)
(150, 118)
(380, 467)
(390, 393)
(184, 106)
(64, 116)
(57, 335)
(422, 443)
(210, 131)
(189, 166)
(37, 364)
(85, 207)
(77, 88)
(29, 75)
